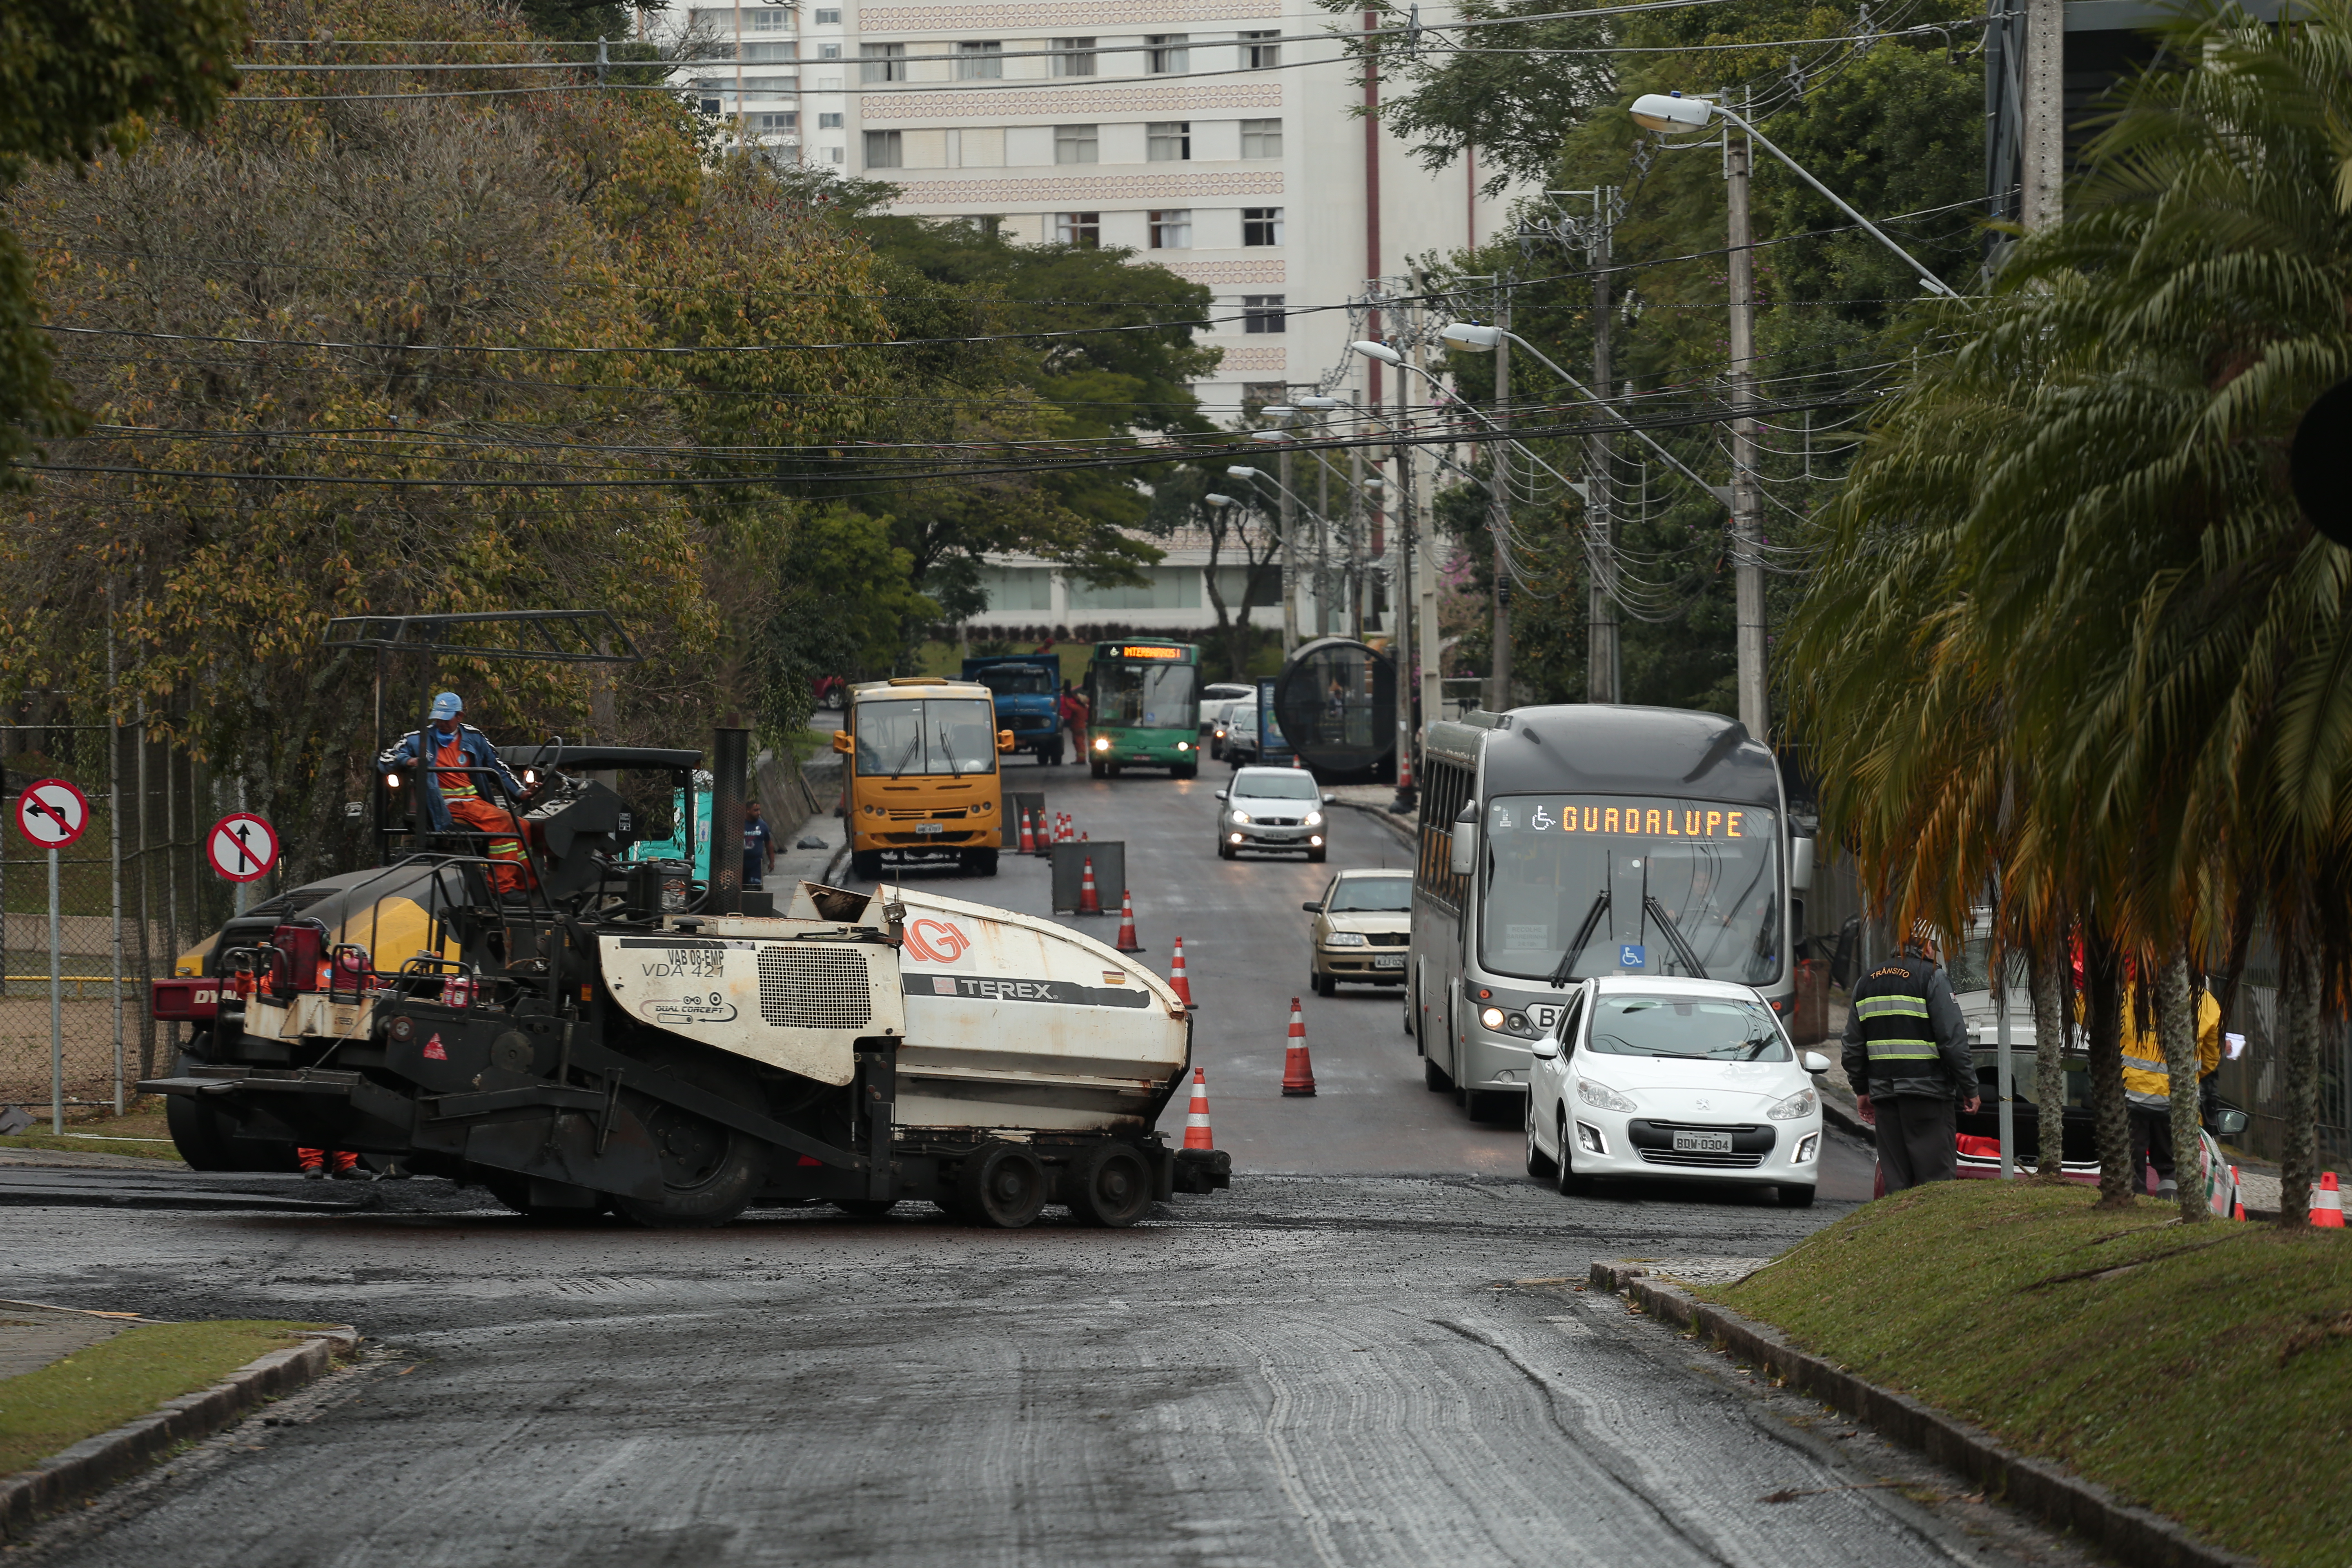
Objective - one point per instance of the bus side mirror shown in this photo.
(1801, 864)
(1465, 858)
(1004, 740)
(841, 742)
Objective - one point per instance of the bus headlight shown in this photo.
(1183, 745)
(1490, 1017)
(1102, 742)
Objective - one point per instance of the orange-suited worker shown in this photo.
(458, 800)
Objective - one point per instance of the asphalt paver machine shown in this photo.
(625, 1036)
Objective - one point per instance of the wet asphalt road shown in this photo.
(1314, 1368)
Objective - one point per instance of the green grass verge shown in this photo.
(2204, 1372)
(142, 1134)
(121, 1379)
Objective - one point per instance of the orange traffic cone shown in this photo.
(2237, 1196)
(1297, 1068)
(1089, 902)
(1044, 834)
(2327, 1203)
(1126, 943)
(1028, 840)
(1176, 978)
(1404, 767)
(1196, 1125)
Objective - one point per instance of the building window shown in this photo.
(1262, 313)
(1073, 56)
(979, 62)
(828, 121)
(1163, 588)
(1077, 144)
(767, 20)
(1260, 138)
(1081, 229)
(882, 62)
(1261, 226)
(771, 53)
(827, 18)
(828, 51)
(1167, 141)
(1165, 53)
(788, 120)
(886, 149)
(709, 106)
(1171, 230)
(1260, 52)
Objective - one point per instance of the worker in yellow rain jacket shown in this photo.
(2147, 1086)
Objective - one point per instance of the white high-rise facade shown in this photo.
(1223, 140)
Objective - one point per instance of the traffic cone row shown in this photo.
(1297, 1068)
(1089, 902)
(1126, 943)
(1176, 978)
(2327, 1203)
(1196, 1124)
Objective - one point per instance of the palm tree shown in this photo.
(2075, 536)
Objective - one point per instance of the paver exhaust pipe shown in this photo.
(731, 759)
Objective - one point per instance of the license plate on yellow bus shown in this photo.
(930, 828)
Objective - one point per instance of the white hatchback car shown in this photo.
(1656, 1078)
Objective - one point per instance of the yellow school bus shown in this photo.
(921, 776)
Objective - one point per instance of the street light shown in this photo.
(1220, 502)
(1673, 111)
(1237, 471)
(1379, 351)
(1269, 435)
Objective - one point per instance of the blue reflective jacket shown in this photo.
(478, 754)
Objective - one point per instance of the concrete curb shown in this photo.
(2057, 1496)
(1399, 826)
(96, 1463)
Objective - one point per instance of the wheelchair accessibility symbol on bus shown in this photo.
(1632, 956)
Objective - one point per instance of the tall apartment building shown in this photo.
(1219, 139)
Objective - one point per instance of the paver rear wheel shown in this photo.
(1001, 1184)
(710, 1172)
(1109, 1185)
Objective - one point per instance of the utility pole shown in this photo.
(1499, 502)
(1398, 496)
(1289, 556)
(1425, 558)
(1322, 539)
(1747, 530)
(1360, 519)
(1601, 681)
(2044, 159)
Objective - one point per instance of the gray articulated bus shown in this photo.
(1558, 843)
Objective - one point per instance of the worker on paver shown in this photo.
(1906, 1055)
(466, 768)
(2148, 1084)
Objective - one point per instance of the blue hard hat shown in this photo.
(448, 705)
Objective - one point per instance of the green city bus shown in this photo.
(1143, 705)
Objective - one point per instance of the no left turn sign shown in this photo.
(242, 846)
(52, 813)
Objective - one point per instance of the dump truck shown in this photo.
(1028, 700)
(627, 1037)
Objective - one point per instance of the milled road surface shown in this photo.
(1314, 1368)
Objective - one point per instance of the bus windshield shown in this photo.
(1017, 680)
(1582, 885)
(925, 735)
(1146, 696)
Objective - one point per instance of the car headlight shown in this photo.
(1802, 1103)
(1102, 742)
(1602, 1096)
(1346, 938)
(1239, 815)
(1314, 820)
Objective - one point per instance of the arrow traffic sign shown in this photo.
(242, 846)
(52, 813)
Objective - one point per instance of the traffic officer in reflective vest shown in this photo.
(1906, 1055)
(457, 789)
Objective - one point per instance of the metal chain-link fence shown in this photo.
(133, 892)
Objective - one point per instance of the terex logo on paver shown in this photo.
(936, 941)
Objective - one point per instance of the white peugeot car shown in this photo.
(1657, 1077)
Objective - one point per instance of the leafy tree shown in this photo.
(78, 76)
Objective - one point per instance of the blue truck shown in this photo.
(1028, 700)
